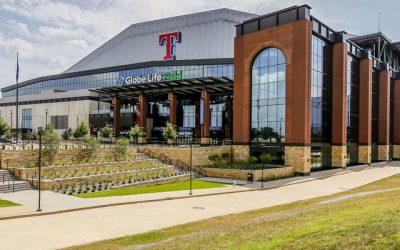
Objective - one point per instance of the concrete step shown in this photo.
(18, 186)
(6, 176)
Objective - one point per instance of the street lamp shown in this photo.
(262, 177)
(40, 129)
(11, 120)
(46, 116)
(190, 166)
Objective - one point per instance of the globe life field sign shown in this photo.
(150, 78)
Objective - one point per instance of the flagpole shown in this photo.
(16, 103)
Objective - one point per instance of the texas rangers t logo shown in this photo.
(170, 40)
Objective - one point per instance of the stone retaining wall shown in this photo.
(200, 154)
(239, 174)
(7, 156)
(27, 173)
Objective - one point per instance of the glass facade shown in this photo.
(391, 110)
(321, 92)
(27, 118)
(110, 78)
(375, 105)
(216, 110)
(268, 102)
(189, 114)
(321, 102)
(353, 93)
(375, 115)
(268, 97)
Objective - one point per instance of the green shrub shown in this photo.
(216, 159)
(67, 134)
(51, 143)
(252, 159)
(169, 132)
(267, 158)
(226, 157)
(35, 135)
(136, 131)
(106, 131)
(91, 145)
(81, 130)
(4, 127)
(121, 148)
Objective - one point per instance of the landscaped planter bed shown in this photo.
(144, 174)
(84, 168)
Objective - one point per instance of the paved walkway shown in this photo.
(55, 202)
(80, 227)
(297, 179)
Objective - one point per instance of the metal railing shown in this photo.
(199, 172)
(10, 182)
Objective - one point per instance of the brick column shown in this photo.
(172, 108)
(205, 127)
(396, 120)
(384, 115)
(143, 111)
(117, 116)
(298, 101)
(364, 133)
(339, 106)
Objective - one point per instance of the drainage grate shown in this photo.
(202, 208)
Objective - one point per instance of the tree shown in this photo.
(4, 127)
(34, 135)
(67, 134)
(169, 132)
(81, 130)
(135, 131)
(51, 143)
(106, 131)
(91, 145)
(121, 148)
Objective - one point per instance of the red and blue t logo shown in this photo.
(170, 40)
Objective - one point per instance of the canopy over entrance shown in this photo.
(213, 85)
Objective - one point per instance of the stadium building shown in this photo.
(283, 83)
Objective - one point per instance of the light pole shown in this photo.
(46, 117)
(40, 165)
(11, 123)
(262, 177)
(190, 166)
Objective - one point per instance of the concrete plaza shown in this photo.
(80, 227)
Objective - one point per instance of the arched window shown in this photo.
(268, 96)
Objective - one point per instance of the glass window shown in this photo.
(27, 118)
(268, 115)
(321, 90)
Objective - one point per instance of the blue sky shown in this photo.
(52, 35)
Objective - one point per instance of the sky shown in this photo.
(52, 35)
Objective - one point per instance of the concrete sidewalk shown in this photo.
(56, 202)
(80, 227)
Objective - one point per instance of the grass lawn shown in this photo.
(4, 203)
(367, 217)
(152, 189)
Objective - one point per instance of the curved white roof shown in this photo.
(205, 35)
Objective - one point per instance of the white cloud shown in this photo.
(51, 35)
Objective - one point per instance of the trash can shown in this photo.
(250, 177)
